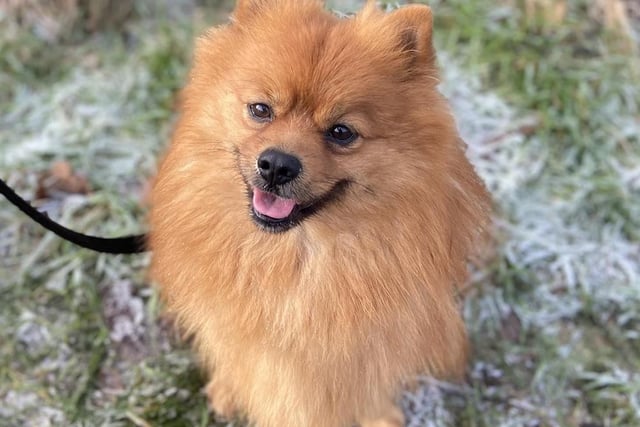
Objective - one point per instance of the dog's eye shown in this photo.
(341, 134)
(261, 112)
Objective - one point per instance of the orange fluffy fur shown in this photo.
(320, 325)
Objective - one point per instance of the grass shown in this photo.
(567, 191)
(552, 119)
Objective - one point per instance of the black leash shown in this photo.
(118, 245)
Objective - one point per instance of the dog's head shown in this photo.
(316, 109)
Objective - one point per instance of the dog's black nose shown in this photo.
(278, 168)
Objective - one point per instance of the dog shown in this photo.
(312, 218)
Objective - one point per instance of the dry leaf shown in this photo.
(61, 179)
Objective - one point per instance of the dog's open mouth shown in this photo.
(278, 214)
(271, 206)
(272, 212)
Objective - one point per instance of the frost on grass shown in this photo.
(85, 117)
(425, 407)
(79, 331)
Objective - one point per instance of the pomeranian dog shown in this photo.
(314, 214)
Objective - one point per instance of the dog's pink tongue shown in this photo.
(270, 205)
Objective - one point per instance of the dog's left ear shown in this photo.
(414, 28)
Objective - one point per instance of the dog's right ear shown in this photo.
(247, 8)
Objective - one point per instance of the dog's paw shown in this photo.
(393, 418)
(221, 400)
